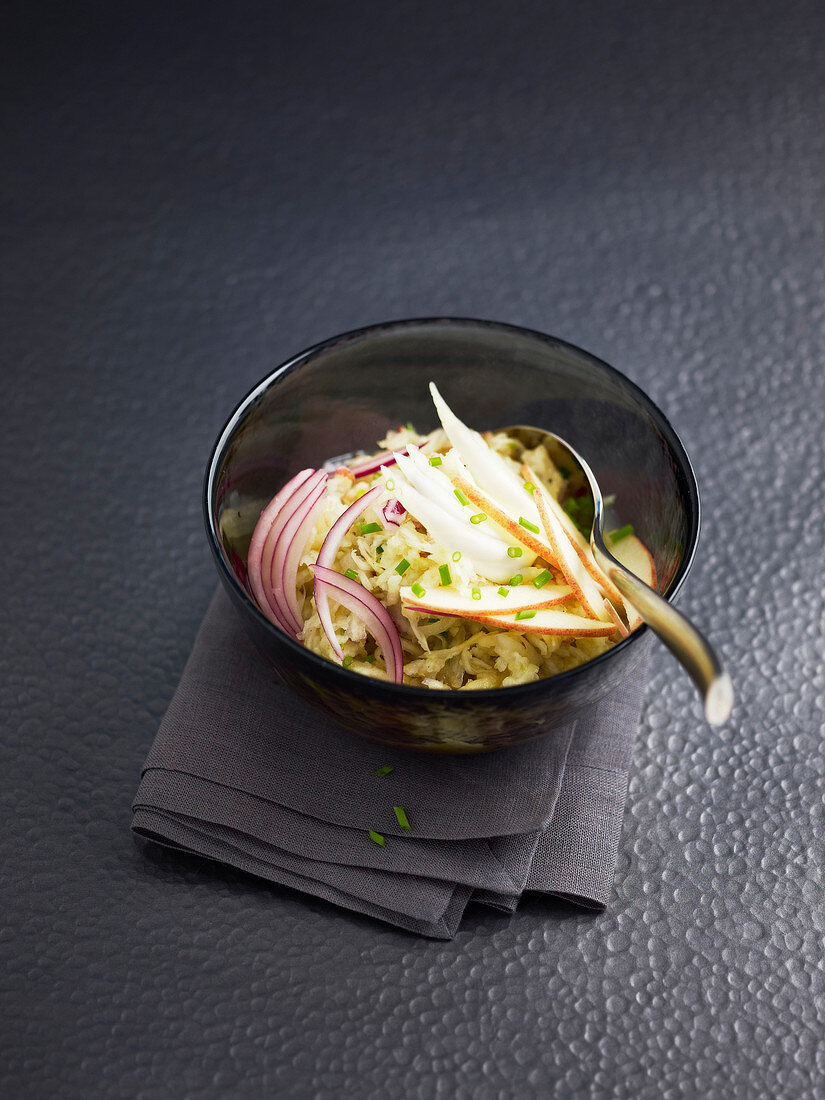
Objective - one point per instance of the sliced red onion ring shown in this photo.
(394, 512)
(327, 554)
(374, 615)
(290, 546)
(256, 545)
(369, 464)
(290, 506)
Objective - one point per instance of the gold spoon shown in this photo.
(682, 638)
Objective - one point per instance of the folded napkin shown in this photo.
(244, 772)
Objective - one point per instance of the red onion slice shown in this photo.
(374, 615)
(369, 464)
(394, 512)
(290, 506)
(256, 545)
(326, 557)
(291, 544)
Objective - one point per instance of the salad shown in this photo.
(451, 561)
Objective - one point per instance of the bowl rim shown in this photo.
(455, 698)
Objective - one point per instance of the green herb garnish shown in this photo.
(444, 573)
(401, 817)
(385, 769)
(418, 590)
(541, 580)
(369, 528)
(460, 497)
(476, 593)
(530, 526)
(436, 460)
(351, 574)
(457, 555)
(514, 551)
(347, 661)
(478, 518)
(504, 591)
(377, 838)
(530, 487)
(515, 579)
(525, 615)
(622, 533)
(402, 567)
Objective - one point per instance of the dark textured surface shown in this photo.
(190, 197)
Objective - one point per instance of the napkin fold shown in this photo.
(244, 772)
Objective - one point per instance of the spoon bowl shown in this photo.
(690, 647)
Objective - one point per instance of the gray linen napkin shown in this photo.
(242, 771)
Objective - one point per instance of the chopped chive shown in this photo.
(565, 473)
(512, 444)
(347, 661)
(444, 573)
(385, 769)
(541, 580)
(428, 622)
(401, 817)
(478, 518)
(457, 556)
(476, 593)
(436, 460)
(418, 590)
(525, 615)
(460, 497)
(504, 591)
(402, 567)
(410, 427)
(369, 528)
(379, 550)
(370, 659)
(377, 838)
(515, 579)
(351, 574)
(390, 484)
(340, 631)
(622, 533)
(530, 526)
(514, 551)
(529, 486)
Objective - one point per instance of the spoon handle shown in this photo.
(678, 633)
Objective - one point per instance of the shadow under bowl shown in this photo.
(343, 395)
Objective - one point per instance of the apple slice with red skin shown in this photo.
(632, 553)
(578, 541)
(569, 564)
(460, 602)
(517, 531)
(549, 621)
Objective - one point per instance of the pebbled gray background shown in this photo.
(192, 192)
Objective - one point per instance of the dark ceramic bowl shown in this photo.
(343, 394)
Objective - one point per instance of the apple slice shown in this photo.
(574, 572)
(621, 629)
(460, 602)
(545, 621)
(517, 531)
(635, 556)
(579, 542)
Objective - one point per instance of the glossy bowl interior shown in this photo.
(342, 396)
